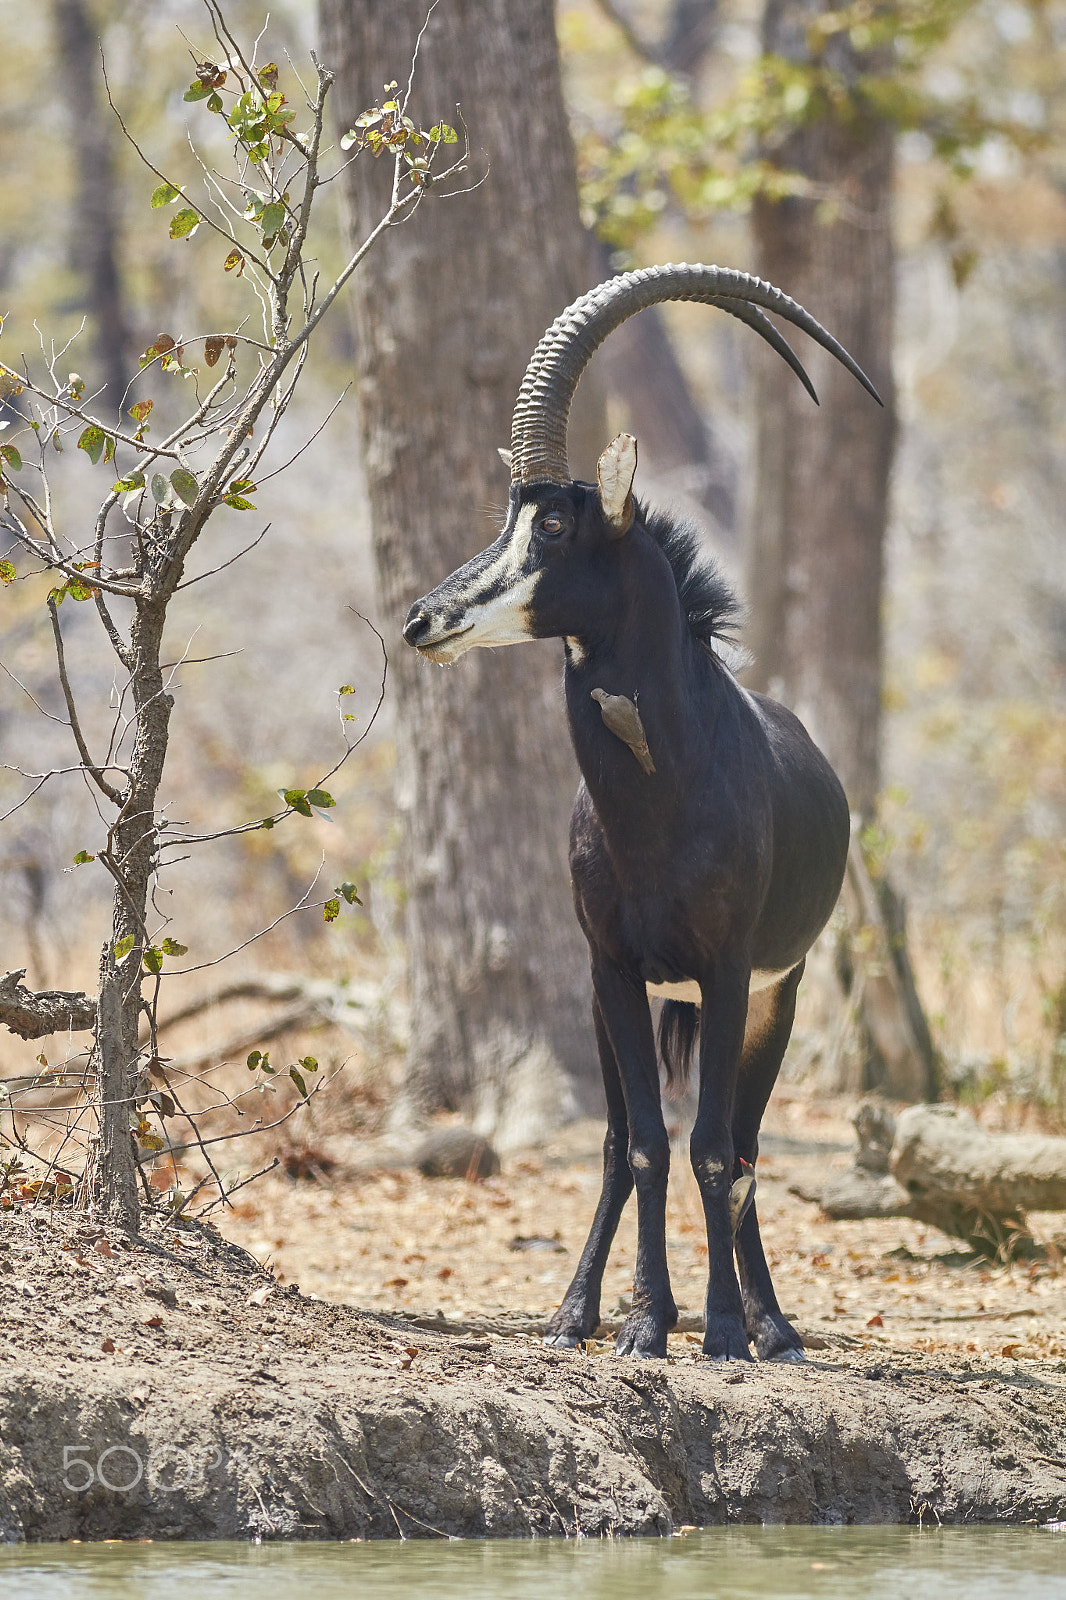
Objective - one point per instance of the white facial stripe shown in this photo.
(512, 558)
(502, 620)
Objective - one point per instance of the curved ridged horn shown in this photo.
(542, 410)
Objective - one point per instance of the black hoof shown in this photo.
(775, 1339)
(725, 1340)
(644, 1336)
(571, 1326)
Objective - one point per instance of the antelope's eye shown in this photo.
(552, 523)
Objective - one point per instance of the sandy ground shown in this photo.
(385, 1238)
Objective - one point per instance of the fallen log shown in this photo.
(958, 1173)
(935, 1163)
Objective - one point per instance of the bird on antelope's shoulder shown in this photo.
(623, 719)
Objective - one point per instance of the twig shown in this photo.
(239, 1044)
(213, 571)
(232, 1190)
(96, 773)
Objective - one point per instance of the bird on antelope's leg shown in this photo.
(623, 719)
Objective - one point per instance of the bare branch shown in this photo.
(32, 1015)
(94, 771)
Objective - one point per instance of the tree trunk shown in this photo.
(815, 554)
(112, 1179)
(448, 311)
(95, 225)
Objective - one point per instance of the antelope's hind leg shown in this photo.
(579, 1315)
(770, 1017)
(714, 1157)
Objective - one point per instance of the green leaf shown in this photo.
(124, 946)
(345, 688)
(348, 891)
(140, 411)
(448, 135)
(271, 220)
(79, 590)
(134, 480)
(11, 456)
(238, 502)
(153, 958)
(164, 195)
(254, 1060)
(331, 910)
(171, 947)
(267, 823)
(320, 797)
(82, 857)
(185, 485)
(297, 1077)
(160, 488)
(92, 442)
(214, 102)
(7, 572)
(309, 1062)
(234, 259)
(197, 91)
(240, 486)
(297, 799)
(184, 223)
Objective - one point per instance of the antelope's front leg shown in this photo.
(722, 1015)
(623, 1006)
(579, 1315)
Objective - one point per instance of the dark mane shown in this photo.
(710, 605)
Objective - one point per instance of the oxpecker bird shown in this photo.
(623, 719)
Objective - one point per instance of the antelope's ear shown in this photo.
(614, 474)
(505, 456)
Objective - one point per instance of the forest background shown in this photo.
(973, 805)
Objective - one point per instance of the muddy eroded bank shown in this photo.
(172, 1390)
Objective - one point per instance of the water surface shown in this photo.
(733, 1563)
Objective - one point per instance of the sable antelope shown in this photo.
(709, 834)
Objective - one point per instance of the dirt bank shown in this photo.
(172, 1390)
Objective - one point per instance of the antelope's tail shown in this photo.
(679, 1024)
